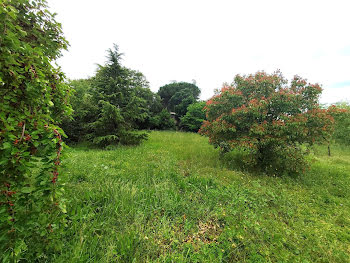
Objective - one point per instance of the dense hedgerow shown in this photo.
(33, 99)
(268, 120)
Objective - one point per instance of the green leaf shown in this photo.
(63, 208)
(7, 145)
(27, 190)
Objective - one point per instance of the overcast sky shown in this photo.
(211, 41)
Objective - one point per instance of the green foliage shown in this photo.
(193, 119)
(110, 120)
(180, 101)
(341, 115)
(178, 96)
(155, 117)
(33, 100)
(77, 127)
(173, 200)
(120, 87)
(269, 120)
(111, 106)
(162, 121)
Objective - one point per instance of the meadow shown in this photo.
(173, 199)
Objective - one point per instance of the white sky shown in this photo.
(211, 41)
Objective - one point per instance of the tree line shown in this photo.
(116, 106)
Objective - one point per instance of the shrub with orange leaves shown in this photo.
(269, 119)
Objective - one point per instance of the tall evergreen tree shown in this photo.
(118, 94)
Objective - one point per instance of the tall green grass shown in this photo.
(173, 200)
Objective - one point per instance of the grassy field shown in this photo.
(173, 200)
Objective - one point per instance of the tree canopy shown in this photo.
(341, 114)
(178, 95)
(112, 106)
(268, 119)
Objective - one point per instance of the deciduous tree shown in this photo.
(341, 114)
(268, 120)
(178, 95)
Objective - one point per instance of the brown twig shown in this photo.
(24, 128)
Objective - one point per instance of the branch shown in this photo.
(24, 128)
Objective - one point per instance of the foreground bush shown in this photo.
(33, 99)
(268, 120)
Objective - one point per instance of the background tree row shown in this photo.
(116, 106)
